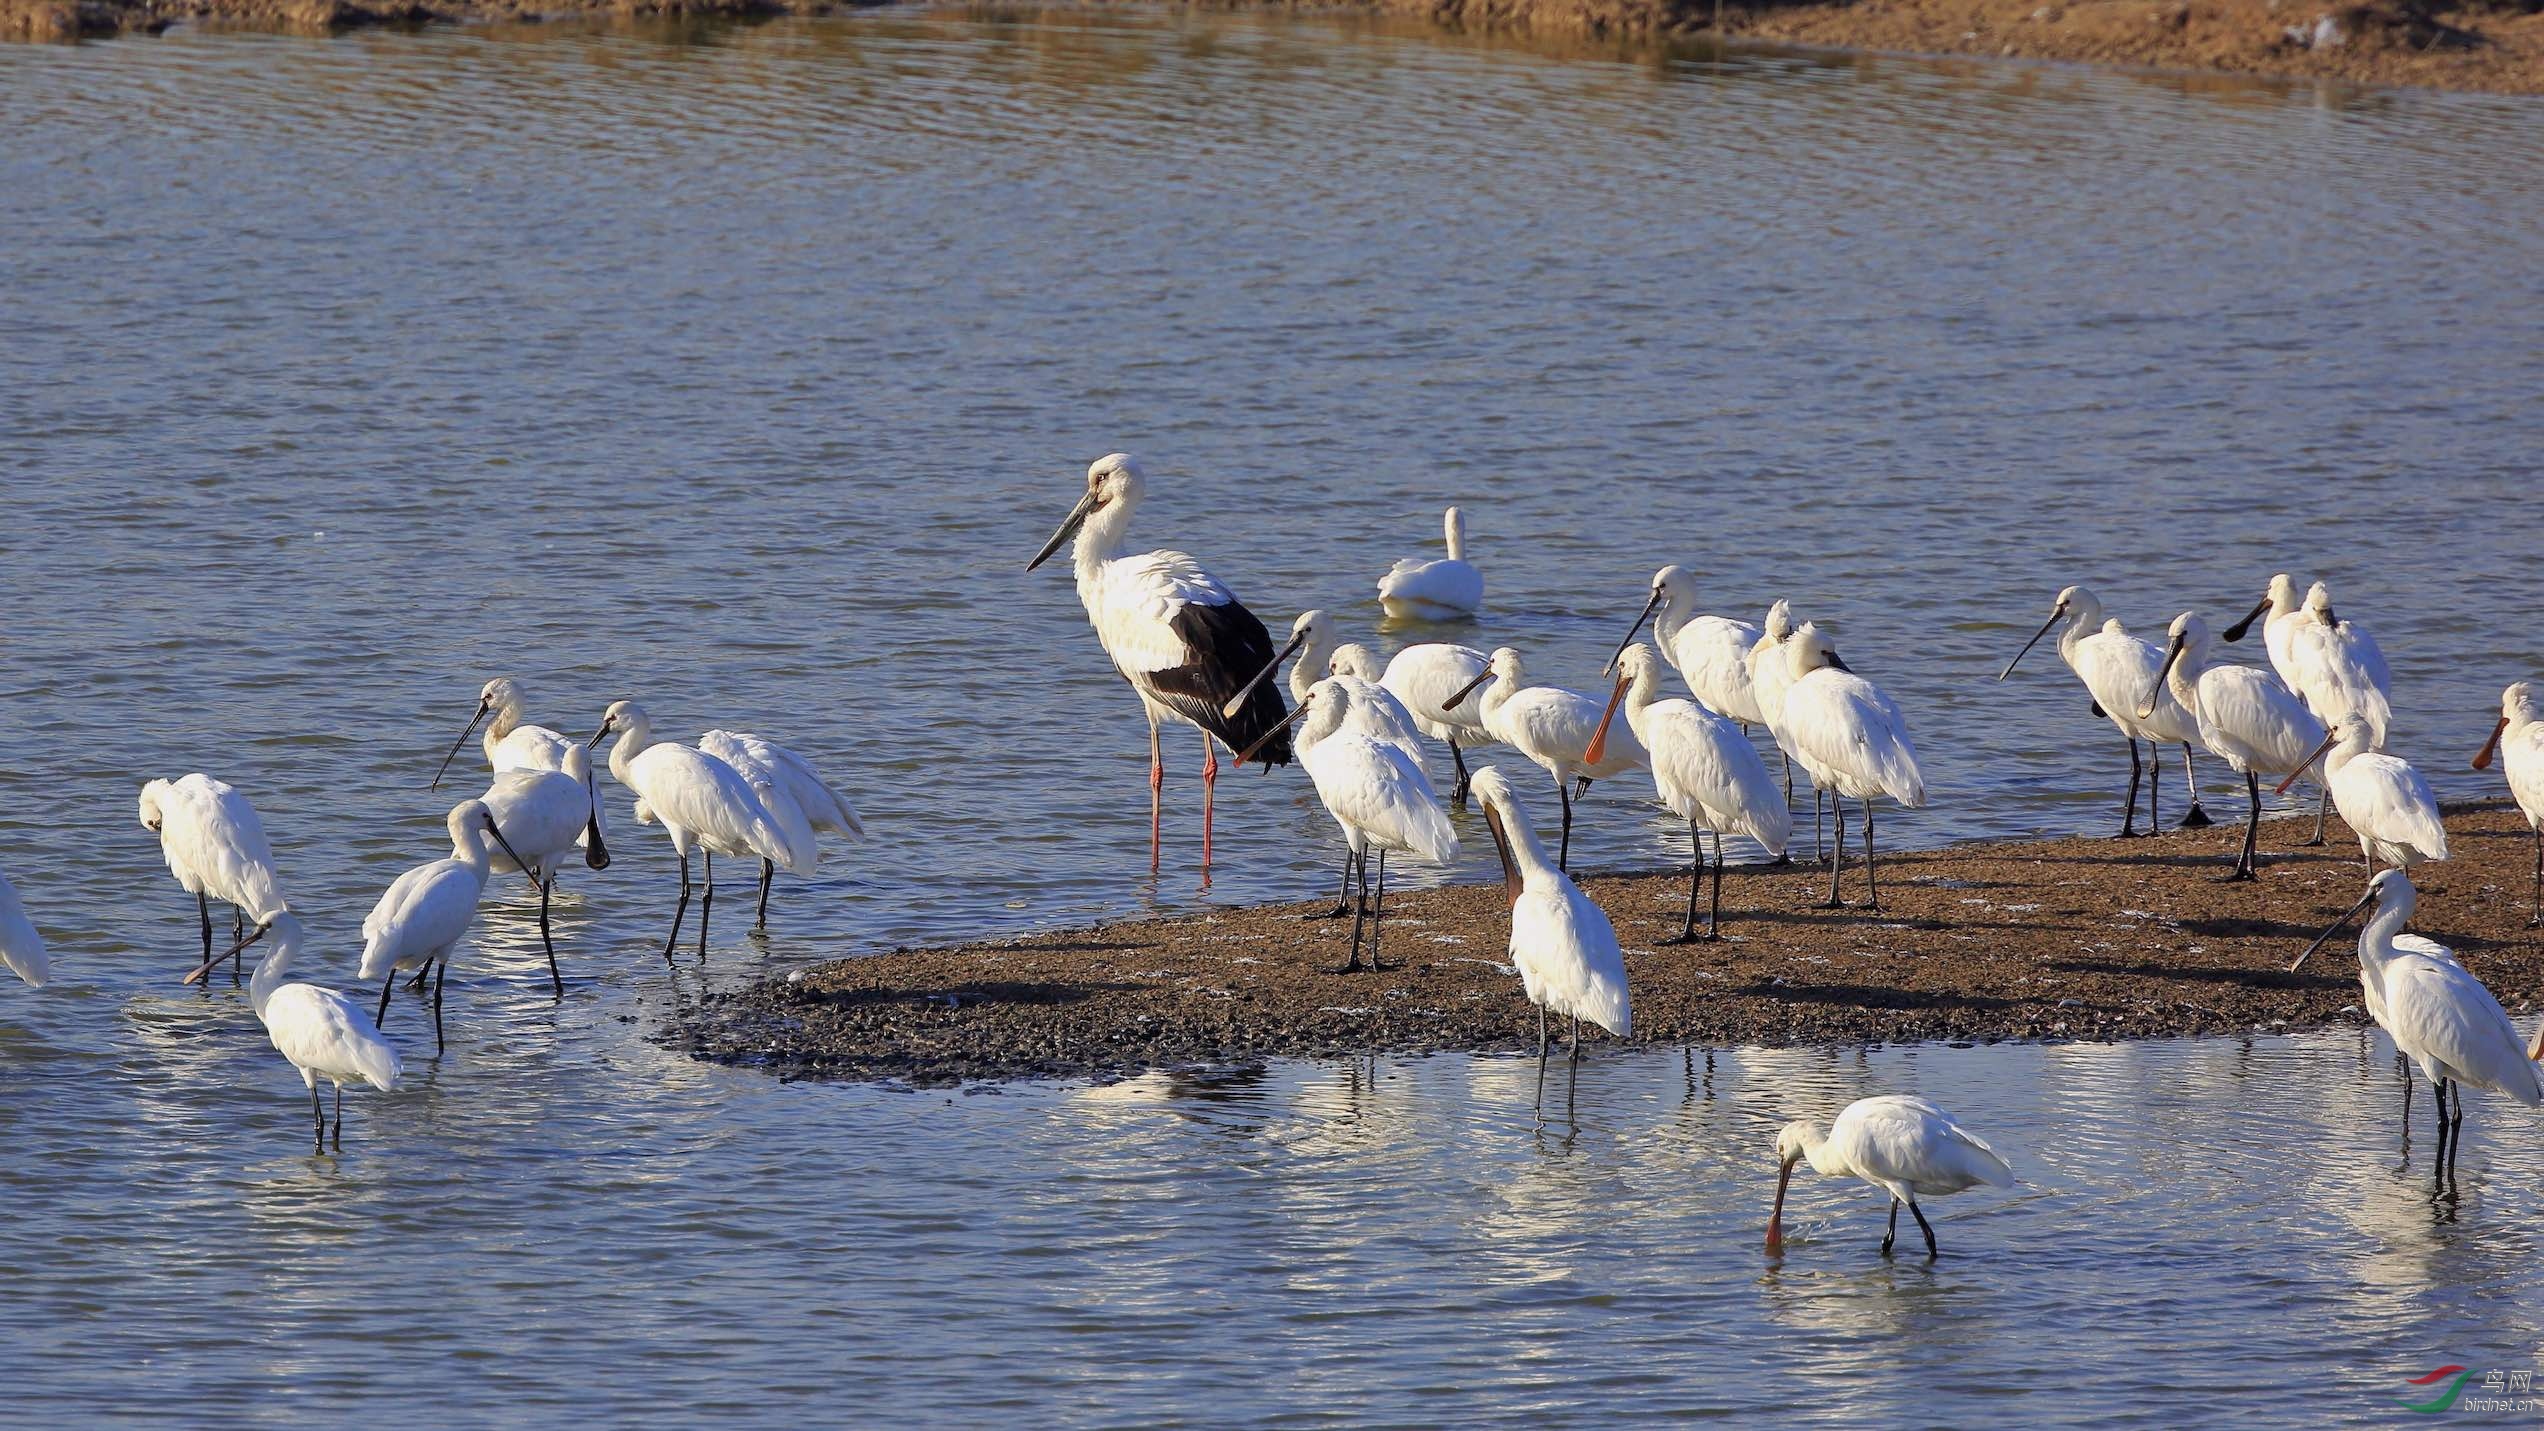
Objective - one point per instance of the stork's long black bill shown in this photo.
(1077, 518)
(456, 744)
(2236, 631)
(2319, 940)
(1237, 702)
(2155, 693)
(1639, 618)
(1265, 739)
(2054, 616)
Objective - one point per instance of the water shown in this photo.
(738, 370)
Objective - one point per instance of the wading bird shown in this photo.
(425, 910)
(216, 848)
(1375, 712)
(796, 796)
(1562, 945)
(545, 814)
(2519, 739)
(1770, 671)
(1705, 771)
(510, 743)
(2437, 1013)
(1850, 736)
(2280, 606)
(2386, 802)
(1375, 792)
(1181, 639)
(2117, 669)
(1907, 1147)
(1552, 727)
(2246, 718)
(1423, 678)
(1445, 590)
(320, 1031)
(21, 948)
(701, 802)
(1710, 652)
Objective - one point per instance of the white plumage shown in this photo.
(797, 798)
(1377, 794)
(2246, 718)
(426, 910)
(2386, 802)
(21, 948)
(1710, 652)
(544, 815)
(1704, 770)
(1376, 712)
(215, 846)
(1563, 946)
(323, 1033)
(1443, 590)
(1907, 1147)
(1552, 727)
(2117, 670)
(1850, 736)
(1423, 678)
(2337, 668)
(701, 803)
(2518, 738)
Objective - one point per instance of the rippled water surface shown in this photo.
(738, 371)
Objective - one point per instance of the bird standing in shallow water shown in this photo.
(701, 803)
(544, 814)
(1710, 652)
(215, 846)
(1561, 943)
(1183, 640)
(322, 1032)
(1904, 1146)
(2519, 740)
(796, 795)
(1443, 590)
(425, 910)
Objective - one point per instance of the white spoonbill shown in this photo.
(1375, 792)
(1552, 727)
(320, 1031)
(1563, 946)
(216, 848)
(1375, 713)
(2246, 718)
(1710, 652)
(2117, 668)
(1770, 671)
(701, 802)
(1424, 677)
(510, 742)
(1907, 1147)
(1852, 739)
(2382, 798)
(2519, 739)
(2279, 604)
(2437, 1013)
(796, 796)
(1181, 638)
(424, 911)
(2339, 669)
(1704, 770)
(545, 814)
(21, 948)
(1444, 590)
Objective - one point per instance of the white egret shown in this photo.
(1444, 590)
(701, 802)
(21, 948)
(215, 846)
(2519, 739)
(1179, 636)
(1563, 946)
(2386, 802)
(1852, 739)
(2117, 668)
(797, 796)
(1375, 792)
(320, 1031)
(1907, 1147)
(1710, 652)
(545, 814)
(1552, 727)
(1704, 770)
(2437, 1013)
(2246, 718)
(424, 911)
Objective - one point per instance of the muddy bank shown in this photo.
(2064, 939)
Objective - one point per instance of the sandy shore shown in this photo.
(2494, 47)
(2062, 939)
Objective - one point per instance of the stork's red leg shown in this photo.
(1156, 789)
(1209, 786)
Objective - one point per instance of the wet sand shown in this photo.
(2085, 939)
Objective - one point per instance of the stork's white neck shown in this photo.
(1823, 1155)
(2183, 679)
(1101, 538)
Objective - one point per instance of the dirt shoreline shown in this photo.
(2495, 46)
(2048, 940)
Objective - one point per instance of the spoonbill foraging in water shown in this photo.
(2117, 669)
(2382, 798)
(1181, 639)
(701, 803)
(425, 910)
(510, 742)
(1444, 590)
(1375, 791)
(1710, 652)
(1907, 1147)
(1552, 727)
(545, 814)
(2519, 739)
(1704, 770)
(320, 1031)
(21, 948)
(2246, 718)
(2437, 1013)
(215, 846)
(1563, 946)
(1852, 739)
(797, 797)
